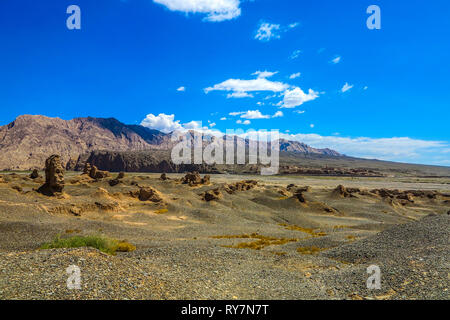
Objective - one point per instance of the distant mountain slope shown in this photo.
(29, 140)
(26, 142)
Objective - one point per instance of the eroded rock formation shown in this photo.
(54, 176)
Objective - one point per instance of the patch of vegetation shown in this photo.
(161, 211)
(309, 250)
(341, 227)
(351, 238)
(106, 245)
(73, 231)
(309, 231)
(259, 244)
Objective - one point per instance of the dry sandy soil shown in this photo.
(262, 243)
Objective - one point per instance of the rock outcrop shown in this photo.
(394, 196)
(98, 174)
(211, 195)
(87, 168)
(117, 180)
(298, 193)
(34, 174)
(54, 176)
(148, 194)
(194, 179)
(240, 186)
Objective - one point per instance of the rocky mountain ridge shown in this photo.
(26, 142)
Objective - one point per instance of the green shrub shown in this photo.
(106, 245)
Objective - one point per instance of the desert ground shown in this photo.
(258, 237)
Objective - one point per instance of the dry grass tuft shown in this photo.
(309, 250)
(262, 242)
(309, 231)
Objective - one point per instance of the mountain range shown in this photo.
(26, 142)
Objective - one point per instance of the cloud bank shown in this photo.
(403, 149)
(215, 10)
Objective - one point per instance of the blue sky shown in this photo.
(311, 68)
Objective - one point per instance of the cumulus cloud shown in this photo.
(297, 97)
(255, 114)
(193, 125)
(241, 88)
(181, 89)
(295, 75)
(299, 111)
(215, 10)
(162, 122)
(346, 87)
(166, 123)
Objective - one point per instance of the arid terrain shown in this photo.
(227, 236)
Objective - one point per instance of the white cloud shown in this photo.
(223, 118)
(365, 88)
(254, 114)
(240, 87)
(312, 125)
(162, 122)
(336, 60)
(193, 125)
(246, 122)
(213, 124)
(239, 95)
(181, 89)
(295, 54)
(295, 75)
(216, 10)
(264, 74)
(296, 97)
(299, 111)
(268, 31)
(394, 149)
(278, 114)
(346, 87)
